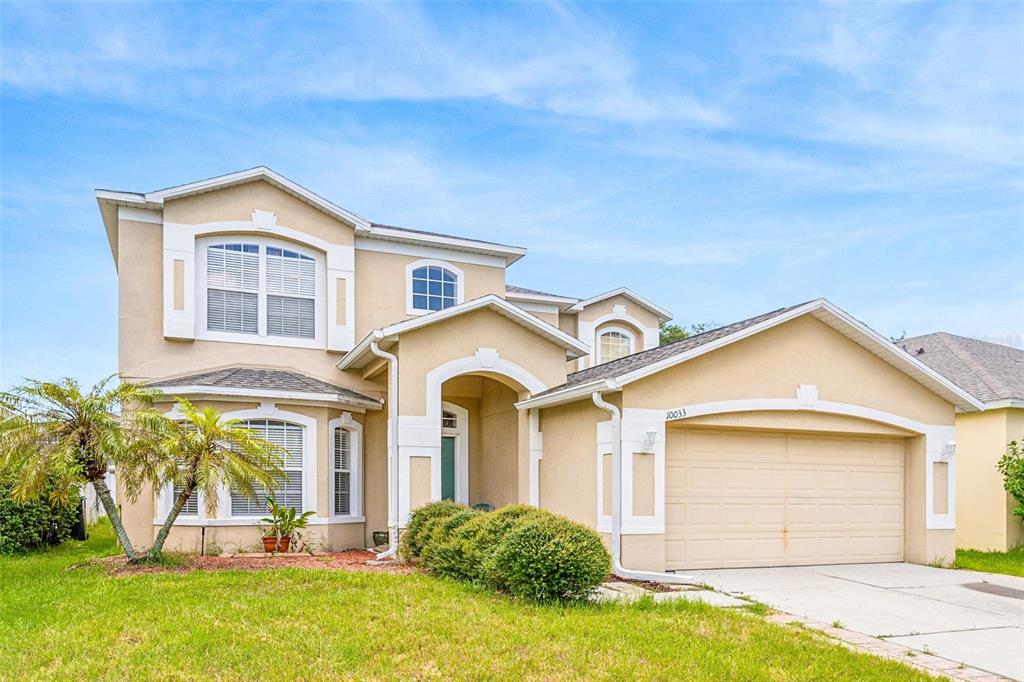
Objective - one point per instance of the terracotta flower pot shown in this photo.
(271, 544)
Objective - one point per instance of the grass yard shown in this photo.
(1010, 563)
(303, 623)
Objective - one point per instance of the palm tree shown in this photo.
(53, 432)
(201, 452)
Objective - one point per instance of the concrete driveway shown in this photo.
(964, 616)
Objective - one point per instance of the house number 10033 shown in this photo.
(675, 414)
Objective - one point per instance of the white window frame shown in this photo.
(261, 337)
(355, 429)
(266, 410)
(630, 336)
(460, 278)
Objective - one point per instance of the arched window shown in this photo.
(449, 420)
(289, 491)
(258, 287)
(614, 344)
(434, 288)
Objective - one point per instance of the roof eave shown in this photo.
(570, 394)
(509, 253)
(230, 391)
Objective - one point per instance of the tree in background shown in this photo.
(670, 333)
(55, 438)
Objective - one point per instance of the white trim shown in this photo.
(417, 250)
(536, 455)
(420, 435)
(936, 435)
(635, 423)
(355, 429)
(589, 329)
(1007, 403)
(140, 215)
(543, 308)
(561, 301)
(360, 355)
(663, 315)
(268, 393)
(460, 283)
(508, 254)
(461, 435)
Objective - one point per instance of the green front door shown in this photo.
(448, 468)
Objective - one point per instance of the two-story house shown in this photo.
(398, 366)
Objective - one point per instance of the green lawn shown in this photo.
(316, 624)
(1010, 563)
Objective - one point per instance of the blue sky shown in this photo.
(720, 159)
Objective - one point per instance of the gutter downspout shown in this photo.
(617, 567)
(393, 487)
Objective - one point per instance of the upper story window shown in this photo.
(614, 344)
(262, 289)
(431, 286)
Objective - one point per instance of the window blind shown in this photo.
(232, 288)
(289, 486)
(342, 471)
(291, 294)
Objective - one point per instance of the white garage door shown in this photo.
(758, 498)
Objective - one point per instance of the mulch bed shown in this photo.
(648, 585)
(356, 560)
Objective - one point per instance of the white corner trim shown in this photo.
(536, 455)
(355, 429)
(635, 424)
(460, 283)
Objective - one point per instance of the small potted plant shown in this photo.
(282, 522)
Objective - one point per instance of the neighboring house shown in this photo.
(994, 374)
(397, 367)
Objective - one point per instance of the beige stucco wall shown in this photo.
(381, 287)
(984, 516)
(568, 470)
(144, 354)
(773, 363)
(422, 350)
(238, 203)
(493, 469)
(769, 365)
(138, 515)
(604, 307)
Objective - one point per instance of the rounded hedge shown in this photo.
(442, 549)
(421, 522)
(550, 558)
(25, 526)
(528, 552)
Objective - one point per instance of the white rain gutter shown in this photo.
(392, 360)
(617, 567)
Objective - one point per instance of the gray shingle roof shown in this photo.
(523, 290)
(988, 371)
(265, 379)
(635, 361)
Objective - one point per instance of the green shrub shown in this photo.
(421, 523)
(25, 526)
(550, 558)
(481, 537)
(1011, 466)
(442, 548)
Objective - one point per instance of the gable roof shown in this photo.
(110, 200)
(258, 382)
(989, 371)
(361, 355)
(617, 373)
(663, 315)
